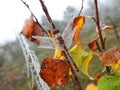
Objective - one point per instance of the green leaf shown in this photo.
(82, 58)
(108, 82)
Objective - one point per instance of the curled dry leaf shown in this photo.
(93, 44)
(78, 23)
(105, 27)
(109, 57)
(54, 72)
(31, 28)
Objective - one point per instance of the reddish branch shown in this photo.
(99, 30)
(47, 14)
(98, 25)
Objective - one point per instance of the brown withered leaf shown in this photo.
(93, 44)
(31, 28)
(78, 23)
(54, 72)
(109, 57)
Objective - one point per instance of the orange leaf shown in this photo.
(78, 23)
(93, 44)
(31, 28)
(109, 57)
(54, 72)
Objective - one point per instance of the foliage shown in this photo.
(78, 57)
(84, 58)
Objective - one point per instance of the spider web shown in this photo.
(32, 65)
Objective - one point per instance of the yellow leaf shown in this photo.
(78, 23)
(91, 87)
(59, 54)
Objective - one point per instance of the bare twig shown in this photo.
(47, 14)
(99, 30)
(33, 15)
(98, 25)
(81, 8)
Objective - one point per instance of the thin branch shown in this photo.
(99, 30)
(76, 79)
(47, 14)
(33, 15)
(98, 25)
(81, 8)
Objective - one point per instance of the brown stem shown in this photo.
(99, 29)
(47, 14)
(81, 8)
(75, 68)
(98, 25)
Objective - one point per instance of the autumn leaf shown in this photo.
(109, 57)
(59, 54)
(78, 23)
(82, 58)
(91, 86)
(54, 72)
(93, 44)
(31, 28)
(105, 27)
(108, 82)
